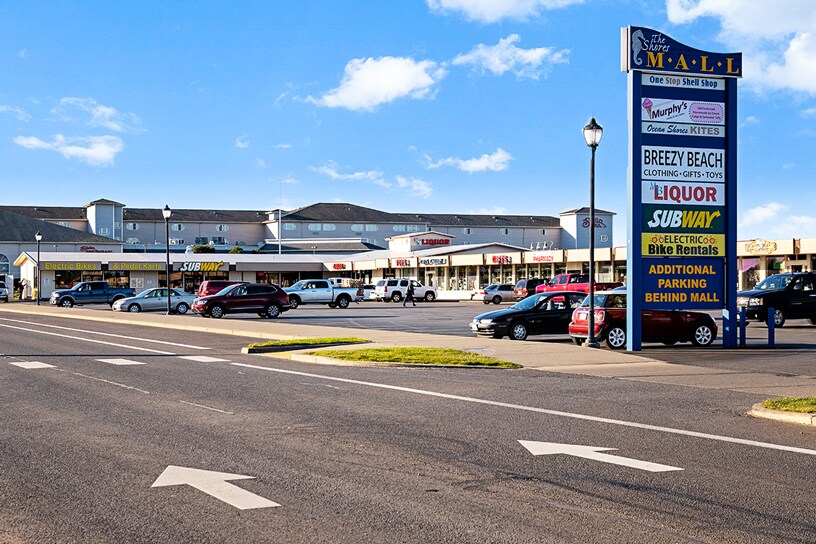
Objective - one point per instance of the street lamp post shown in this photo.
(167, 212)
(38, 237)
(592, 134)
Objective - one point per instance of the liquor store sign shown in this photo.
(682, 122)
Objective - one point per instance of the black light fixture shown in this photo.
(38, 237)
(592, 135)
(167, 212)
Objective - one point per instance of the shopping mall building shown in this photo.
(453, 252)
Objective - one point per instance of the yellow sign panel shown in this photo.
(657, 244)
(115, 265)
(71, 265)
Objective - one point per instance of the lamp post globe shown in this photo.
(38, 237)
(166, 213)
(592, 135)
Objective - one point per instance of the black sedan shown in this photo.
(545, 313)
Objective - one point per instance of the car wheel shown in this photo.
(134, 308)
(396, 297)
(343, 302)
(430, 297)
(496, 300)
(273, 311)
(182, 308)
(519, 331)
(498, 336)
(812, 320)
(66, 303)
(703, 335)
(332, 305)
(294, 302)
(487, 302)
(779, 318)
(216, 312)
(578, 341)
(112, 302)
(261, 314)
(616, 337)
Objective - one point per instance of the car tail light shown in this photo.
(600, 315)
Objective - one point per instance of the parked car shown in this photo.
(575, 282)
(526, 288)
(547, 313)
(495, 293)
(4, 294)
(211, 287)
(155, 299)
(393, 289)
(266, 299)
(666, 326)
(366, 291)
(791, 296)
(321, 291)
(89, 292)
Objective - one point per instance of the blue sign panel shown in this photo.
(650, 50)
(682, 178)
(688, 284)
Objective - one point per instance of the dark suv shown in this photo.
(526, 288)
(211, 287)
(265, 299)
(791, 295)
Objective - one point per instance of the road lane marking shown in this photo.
(105, 334)
(559, 413)
(87, 340)
(32, 364)
(215, 485)
(593, 453)
(203, 359)
(119, 362)
(207, 407)
(111, 383)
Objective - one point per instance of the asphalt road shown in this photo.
(356, 454)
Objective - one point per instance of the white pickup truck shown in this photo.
(393, 289)
(321, 292)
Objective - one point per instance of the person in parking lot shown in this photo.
(409, 294)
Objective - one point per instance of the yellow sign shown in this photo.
(682, 245)
(760, 247)
(71, 265)
(135, 266)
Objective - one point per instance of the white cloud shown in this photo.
(241, 142)
(491, 11)
(369, 83)
(498, 210)
(789, 166)
(19, 113)
(22, 53)
(371, 176)
(795, 226)
(290, 180)
(505, 56)
(283, 146)
(778, 38)
(100, 115)
(761, 214)
(260, 163)
(809, 112)
(496, 162)
(416, 187)
(93, 150)
(749, 121)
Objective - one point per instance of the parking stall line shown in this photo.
(120, 362)
(87, 340)
(30, 365)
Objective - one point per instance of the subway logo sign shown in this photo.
(658, 218)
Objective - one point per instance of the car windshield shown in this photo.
(527, 303)
(775, 282)
(491, 287)
(226, 290)
(298, 285)
(617, 300)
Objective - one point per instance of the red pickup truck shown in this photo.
(574, 282)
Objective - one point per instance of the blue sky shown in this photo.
(469, 106)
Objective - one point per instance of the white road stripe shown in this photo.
(32, 365)
(203, 359)
(119, 362)
(88, 340)
(112, 383)
(206, 407)
(105, 334)
(584, 417)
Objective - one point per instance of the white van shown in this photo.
(393, 289)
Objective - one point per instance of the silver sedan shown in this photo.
(155, 299)
(495, 293)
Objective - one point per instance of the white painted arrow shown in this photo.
(591, 452)
(214, 484)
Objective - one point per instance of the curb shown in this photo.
(296, 347)
(758, 410)
(321, 360)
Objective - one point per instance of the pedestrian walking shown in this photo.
(409, 294)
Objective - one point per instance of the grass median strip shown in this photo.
(417, 356)
(311, 342)
(804, 405)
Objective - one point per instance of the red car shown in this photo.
(265, 299)
(666, 326)
(211, 287)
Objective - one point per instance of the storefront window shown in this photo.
(749, 272)
(4, 264)
(65, 279)
(118, 279)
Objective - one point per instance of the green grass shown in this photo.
(418, 356)
(805, 405)
(311, 342)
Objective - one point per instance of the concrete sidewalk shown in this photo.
(545, 356)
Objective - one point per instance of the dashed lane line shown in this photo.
(120, 362)
(32, 365)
